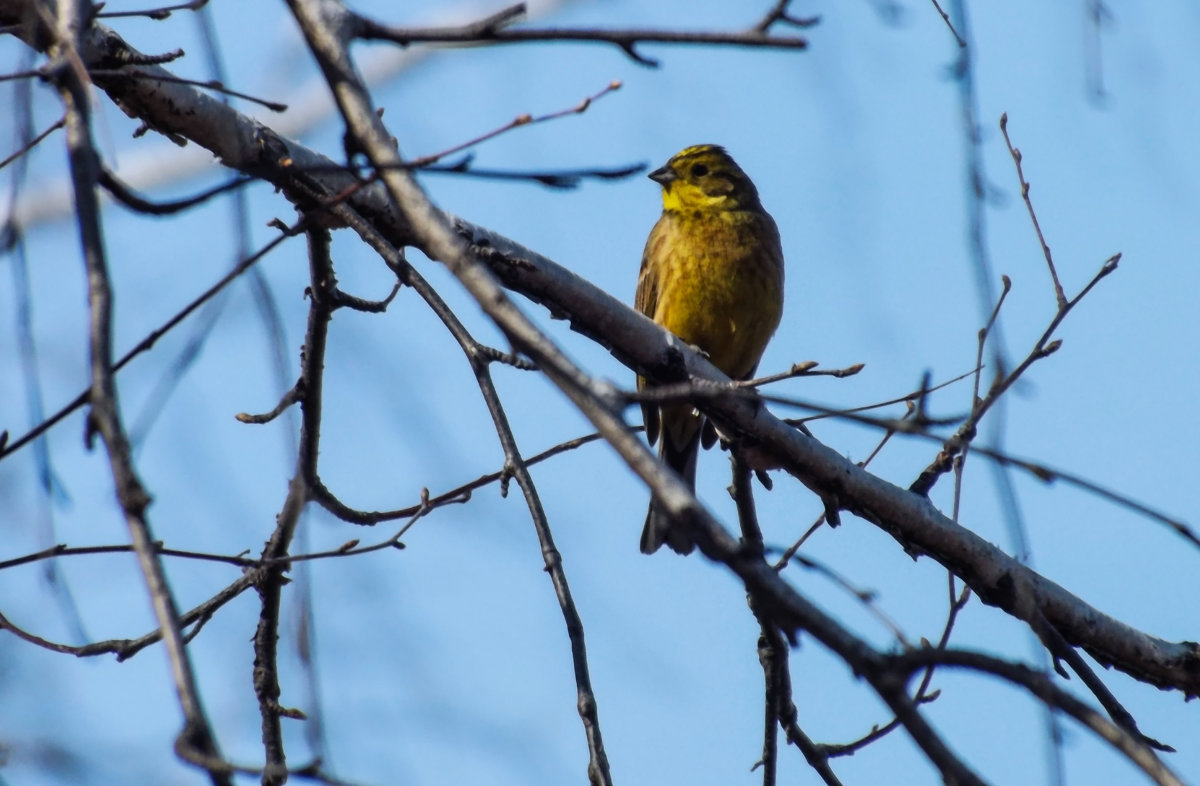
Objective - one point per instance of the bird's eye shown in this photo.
(699, 170)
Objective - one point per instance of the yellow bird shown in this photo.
(712, 274)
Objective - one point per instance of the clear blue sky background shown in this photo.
(447, 662)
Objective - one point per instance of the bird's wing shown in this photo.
(645, 300)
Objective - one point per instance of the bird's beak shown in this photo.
(664, 176)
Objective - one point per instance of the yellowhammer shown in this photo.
(712, 274)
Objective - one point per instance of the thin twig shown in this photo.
(922, 696)
(779, 13)
(864, 596)
(1042, 348)
(211, 84)
(806, 369)
(149, 341)
(1016, 157)
(907, 398)
(517, 122)
(779, 706)
(976, 401)
(793, 549)
(157, 14)
(946, 18)
(562, 179)
(127, 197)
(32, 143)
(1059, 649)
(626, 40)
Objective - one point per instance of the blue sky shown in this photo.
(447, 662)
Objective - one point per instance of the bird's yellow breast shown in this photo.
(720, 282)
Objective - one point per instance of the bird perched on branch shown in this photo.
(712, 274)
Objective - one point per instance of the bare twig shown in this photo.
(517, 122)
(779, 13)
(1042, 348)
(946, 18)
(1016, 157)
(289, 398)
(1059, 649)
(792, 550)
(157, 14)
(492, 31)
(562, 179)
(806, 369)
(126, 196)
(907, 398)
(210, 84)
(32, 143)
(779, 707)
(149, 341)
(923, 694)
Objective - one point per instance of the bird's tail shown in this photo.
(659, 527)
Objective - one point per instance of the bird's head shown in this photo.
(705, 177)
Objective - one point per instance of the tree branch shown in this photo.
(67, 71)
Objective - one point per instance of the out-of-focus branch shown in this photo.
(144, 345)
